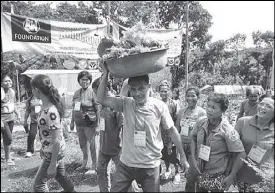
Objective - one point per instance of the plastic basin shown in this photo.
(138, 64)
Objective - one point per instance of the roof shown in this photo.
(231, 89)
(31, 73)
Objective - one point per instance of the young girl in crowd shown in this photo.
(51, 135)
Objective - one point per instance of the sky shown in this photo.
(232, 17)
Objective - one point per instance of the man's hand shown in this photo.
(103, 65)
(184, 164)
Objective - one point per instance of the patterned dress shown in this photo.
(48, 121)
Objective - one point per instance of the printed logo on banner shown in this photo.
(177, 61)
(30, 30)
(170, 61)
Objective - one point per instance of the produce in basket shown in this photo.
(134, 41)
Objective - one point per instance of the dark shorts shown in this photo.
(172, 158)
(6, 132)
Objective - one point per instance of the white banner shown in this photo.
(23, 34)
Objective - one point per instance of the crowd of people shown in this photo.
(140, 130)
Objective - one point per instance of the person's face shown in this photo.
(163, 92)
(7, 82)
(139, 90)
(84, 82)
(265, 109)
(191, 98)
(213, 110)
(253, 97)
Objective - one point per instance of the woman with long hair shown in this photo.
(51, 135)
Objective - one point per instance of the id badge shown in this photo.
(140, 138)
(184, 128)
(77, 106)
(37, 109)
(204, 152)
(256, 153)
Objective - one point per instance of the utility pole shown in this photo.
(272, 70)
(109, 18)
(187, 45)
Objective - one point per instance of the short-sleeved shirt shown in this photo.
(222, 140)
(173, 109)
(48, 121)
(185, 118)
(33, 106)
(250, 135)
(84, 96)
(248, 109)
(110, 138)
(8, 106)
(147, 118)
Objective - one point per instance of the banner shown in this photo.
(170, 36)
(28, 36)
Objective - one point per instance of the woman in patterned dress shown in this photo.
(51, 136)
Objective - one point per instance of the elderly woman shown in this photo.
(86, 118)
(257, 136)
(214, 142)
(249, 106)
(185, 120)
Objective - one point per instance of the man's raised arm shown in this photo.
(102, 98)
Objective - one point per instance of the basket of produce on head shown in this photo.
(134, 55)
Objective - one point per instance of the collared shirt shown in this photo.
(31, 104)
(147, 118)
(250, 135)
(222, 140)
(186, 119)
(48, 121)
(173, 110)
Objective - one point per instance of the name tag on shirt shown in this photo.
(204, 152)
(184, 128)
(77, 106)
(256, 153)
(186, 125)
(37, 109)
(140, 138)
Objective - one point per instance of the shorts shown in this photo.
(172, 158)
